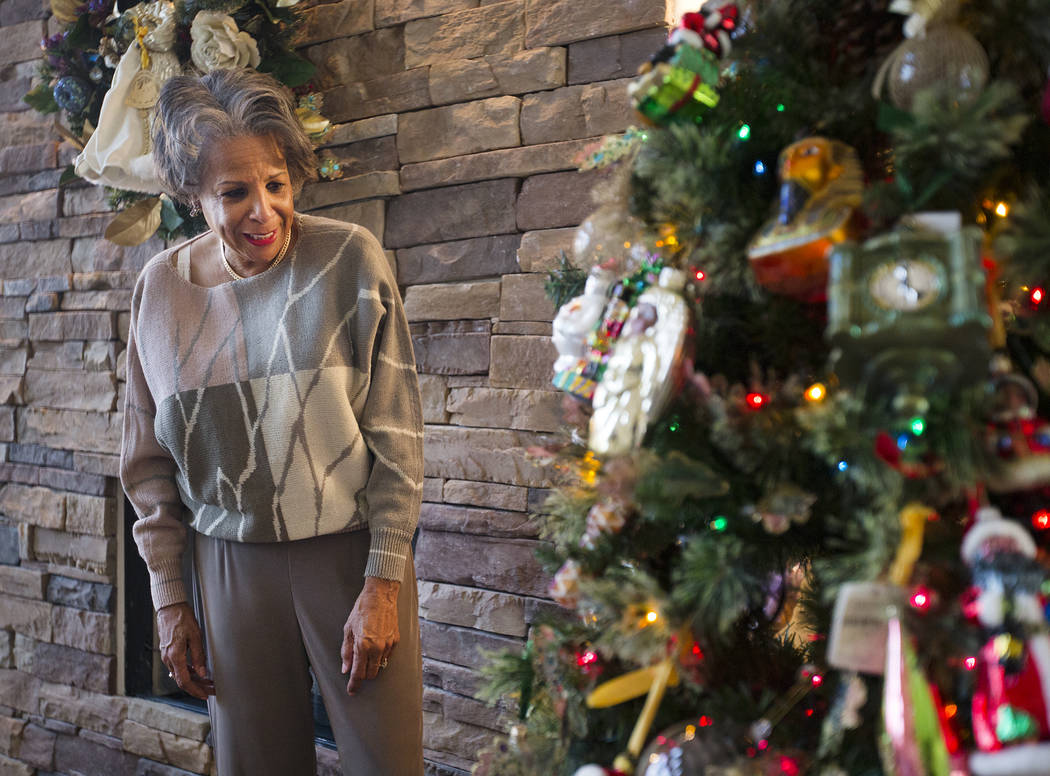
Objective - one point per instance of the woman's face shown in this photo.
(246, 196)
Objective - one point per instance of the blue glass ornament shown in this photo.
(72, 93)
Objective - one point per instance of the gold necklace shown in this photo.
(277, 259)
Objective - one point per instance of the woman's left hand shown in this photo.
(371, 631)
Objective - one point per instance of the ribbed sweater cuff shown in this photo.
(165, 583)
(388, 553)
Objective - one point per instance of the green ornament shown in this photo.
(1013, 724)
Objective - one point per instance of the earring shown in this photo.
(195, 208)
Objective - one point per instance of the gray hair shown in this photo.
(192, 113)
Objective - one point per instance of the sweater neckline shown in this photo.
(170, 259)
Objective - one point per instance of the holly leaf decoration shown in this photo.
(41, 99)
(69, 175)
(290, 69)
(135, 224)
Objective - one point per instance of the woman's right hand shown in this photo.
(181, 636)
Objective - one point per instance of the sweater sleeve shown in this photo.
(147, 472)
(391, 423)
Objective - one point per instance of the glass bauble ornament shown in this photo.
(72, 93)
(687, 749)
(948, 55)
(611, 239)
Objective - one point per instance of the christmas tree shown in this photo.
(799, 519)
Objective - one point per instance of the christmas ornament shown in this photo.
(785, 504)
(1018, 440)
(71, 93)
(689, 748)
(821, 185)
(118, 152)
(565, 587)
(907, 314)
(309, 114)
(678, 84)
(643, 367)
(1011, 701)
(935, 52)
(606, 517)
(577, 319)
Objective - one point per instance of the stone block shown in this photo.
(459, 709)
(18, 11)
(93, 254)
(82, 755)
(336, 20)
(57, 355)
(32, 206)
(556, 199)
(453, 301)
(10, 733)
(365, 57)
(26, 534)
(524, 299)
(485, 494)
(494, 28)
(22, 581)
(90, 553)
(534, 328)
(95, 515)
(72, 326)
(63, 479)
(97, 463)
(19, 691)
(451, 213)
(40, 258)
(507, 565)
(7, 649)
(13, 332)
(97, 432)
(615, 56)
(390, 12)
(62, 282)
(532, 70)
(522, 362)
(11, 390)
(461, 646)
(433, 391)
(65, 665)
(111, 299)
(366, 186)
(490, 522)
(576, 111)
(555, 22)
(92, 711)
(394, 93)
(42, 303)
(7, 424)
(455, 130)
(30, 618)
(83, 226)
(39, 456)
(454, 348)
(511, 162)
(12, 90)
(170, 719)
(146, 767)
(28, 158)
(83, 200)
(37, 746)
(489, 455)
(541, 251)
(355, 131)
(9, 545)
(100, 356)
(13, 360)
(36, 230)
(89, 631)
(10, 767)
(36, 505)
(160, 745)
(451, 677)
(71, 389)
(529, 410)
(105, 280)
(371, 155)
(81, 594)
(432, 488)
(458, 260)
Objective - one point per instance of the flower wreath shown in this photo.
(104, 72)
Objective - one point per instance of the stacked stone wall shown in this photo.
(458, 126)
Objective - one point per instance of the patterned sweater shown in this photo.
(273, 408)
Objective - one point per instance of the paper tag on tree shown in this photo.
(143, 91)
(857, 641)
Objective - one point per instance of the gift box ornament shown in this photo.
(821, 186)
(907, 313)
(679, 82)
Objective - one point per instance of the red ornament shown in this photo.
(755, 401)
(1037, 295)
(1041, 519)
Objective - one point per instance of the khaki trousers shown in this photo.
(270, 612)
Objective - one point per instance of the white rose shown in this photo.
(217, 43)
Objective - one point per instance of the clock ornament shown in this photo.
(907, 313)
(821, 185)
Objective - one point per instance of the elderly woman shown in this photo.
(272, 405)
